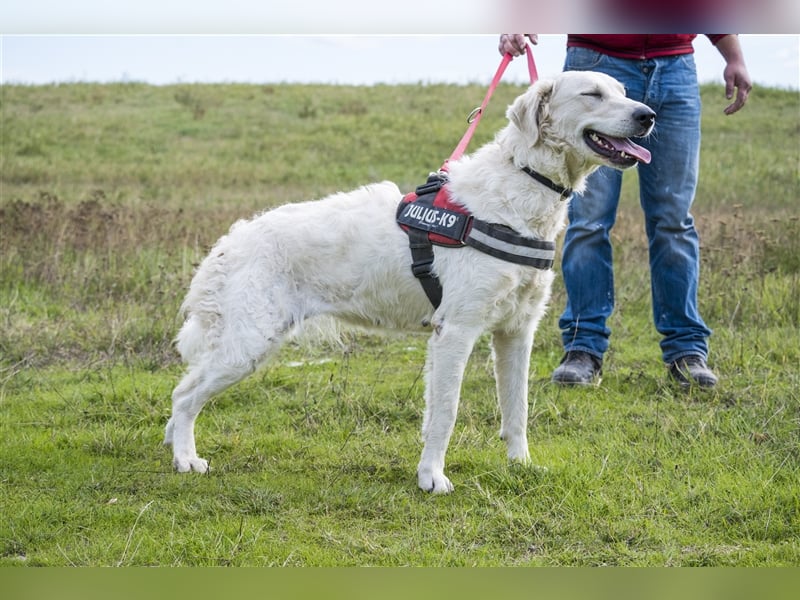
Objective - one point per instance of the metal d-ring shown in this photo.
(474, 114)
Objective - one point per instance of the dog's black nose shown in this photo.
(644, 116)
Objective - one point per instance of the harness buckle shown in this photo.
(467, 229)
(432, 185)
(422, 269)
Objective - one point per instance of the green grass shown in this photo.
(111, 193)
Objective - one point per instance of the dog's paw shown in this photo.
(516, 446)
(519, 455)
(435, 483)
(184, 465)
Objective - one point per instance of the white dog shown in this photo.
(346, 257)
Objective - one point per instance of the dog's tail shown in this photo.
(201, 308)
(191, 339)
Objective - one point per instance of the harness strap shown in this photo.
(422, 265)
(506, 244)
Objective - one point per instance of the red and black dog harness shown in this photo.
(431, 218)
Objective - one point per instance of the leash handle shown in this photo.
(475, 116)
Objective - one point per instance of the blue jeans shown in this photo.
(666, 191)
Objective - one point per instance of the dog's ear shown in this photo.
(529, 112)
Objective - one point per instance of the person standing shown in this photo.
(659, 71)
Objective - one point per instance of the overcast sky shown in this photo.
(343, 41)
(773, 60)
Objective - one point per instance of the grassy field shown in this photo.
(112, 193)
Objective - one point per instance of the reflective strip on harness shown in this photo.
(504, 243)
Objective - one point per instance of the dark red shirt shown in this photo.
(637, 46)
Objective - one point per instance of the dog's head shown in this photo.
(585, 116)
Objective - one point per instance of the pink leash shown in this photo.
(475, 116)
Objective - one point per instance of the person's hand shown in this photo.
(735, 74)
(514, 43)
(736, 78)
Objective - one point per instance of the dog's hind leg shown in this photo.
(448, 351)
(511, 365)
(211, 371)
(202, 382)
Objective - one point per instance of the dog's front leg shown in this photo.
(512, 353)
(448, 350)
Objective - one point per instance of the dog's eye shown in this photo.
(593, 94)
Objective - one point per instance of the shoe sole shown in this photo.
(593, 383)
(694, 384)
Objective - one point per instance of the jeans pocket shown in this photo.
(582, 59)
(688, 62)
(689, 71)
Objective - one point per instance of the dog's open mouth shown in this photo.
(619, 151)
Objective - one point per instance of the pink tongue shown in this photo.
(627, 146)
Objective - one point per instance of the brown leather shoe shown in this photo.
(692, 370)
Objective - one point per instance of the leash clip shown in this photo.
(474, 114)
